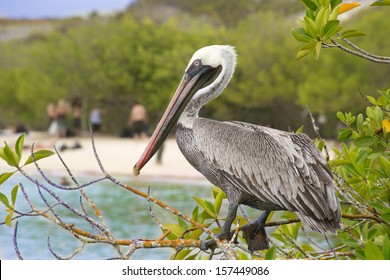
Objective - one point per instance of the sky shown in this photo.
(33, 9)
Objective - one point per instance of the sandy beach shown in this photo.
(118, 156)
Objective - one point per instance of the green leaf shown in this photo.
(352, 33)
(371, 99)
(310, 4)
(300, 129)
(218, 201)
(211, 207)
(351, 242)
(2, 155)
(335, 3)
(195, 213)
(321, 19)
(373, 252)
(8, 218)
(10, 156)
(386, 217)
(302, 53)
(364, 141)
(182, 223)
(39, 155)
(331, 28)
(176, 230)
(338, 162)
(372, 233)
(385, 165)
(301, 35)
(205, 206)
(182, 254)
(4, 177)
(340, 116)
(14, 193)
(19, 146)
(4, 200)
(311, 27)
(317, 50)
(306, 49)
(335, 13)
(386, 247)
(344, 134)
(271, 253)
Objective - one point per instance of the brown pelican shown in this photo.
(264, 168)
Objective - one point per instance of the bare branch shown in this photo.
(16, 243)
(364, 217)
(368, 54)
(78, 250)
(361, 54)
(317, 132)
(164, 229)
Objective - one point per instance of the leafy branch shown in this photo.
(321, 28)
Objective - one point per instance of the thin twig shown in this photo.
(16, 243)
(294, 243)
(279, 223)
(280, 250)
(65, 204)
(311, 239)
(66, 166)
(53, 184)
(372, 104)
(164, 229)
(364, 217)
(329, 256)
(244, 213)
(58, 257)
(360, 54)
(364, 51)
(317, 132)
(51, 209)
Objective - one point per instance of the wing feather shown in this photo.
(284, 168)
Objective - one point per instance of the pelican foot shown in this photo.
(255, 236)
(211, 244)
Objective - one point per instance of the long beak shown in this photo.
(179, 101)
(189, 85)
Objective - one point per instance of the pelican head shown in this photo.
(208, 72)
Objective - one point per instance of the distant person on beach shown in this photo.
(62, 115)
(76, 116)
(96, 119)
(138, 121)
(51, 111)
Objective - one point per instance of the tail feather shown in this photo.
(322, 225)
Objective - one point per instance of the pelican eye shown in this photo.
(197, 62)
(195, 68)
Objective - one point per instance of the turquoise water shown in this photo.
(126, 215)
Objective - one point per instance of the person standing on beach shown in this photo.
(138, 120)
(62, 114)
(51, 111)
(96, 119)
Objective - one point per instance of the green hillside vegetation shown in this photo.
(140, 54)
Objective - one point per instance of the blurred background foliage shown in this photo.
(141, 53)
